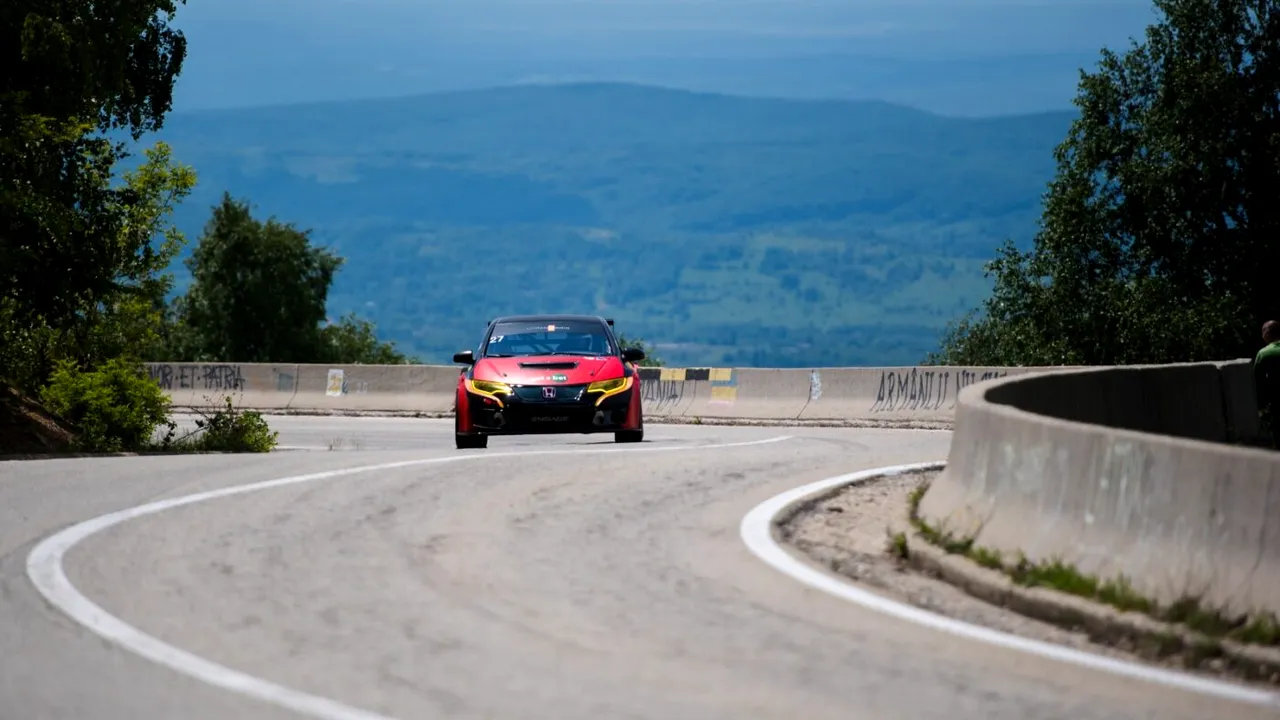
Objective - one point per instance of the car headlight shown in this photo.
(608, 385)
(490, 386)
(608, 388)
(489, 389)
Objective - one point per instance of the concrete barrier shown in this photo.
(1120, 472)
(812, 394)
(821, 394)
(206, 384)
(746, 393)
(426, 389)
(672, 392)
(897, 393)
(371, 388)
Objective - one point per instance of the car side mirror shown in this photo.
(466, 357)
(632, 355)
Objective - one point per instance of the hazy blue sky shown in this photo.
(254, 52)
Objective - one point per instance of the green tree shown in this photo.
(132, 323)
(1158, 240)
(75, 69)
(353, 340)
(258, 291)
(258, 294)
(650, 358)
(125, 318)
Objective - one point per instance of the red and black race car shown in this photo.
(548, 374)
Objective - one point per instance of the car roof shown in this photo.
(549, 318)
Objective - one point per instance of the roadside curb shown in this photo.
(1133, 632)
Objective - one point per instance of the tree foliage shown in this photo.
(258, 290)
(354, 340)
(123, 317)
(259, 293)
(1158, 240)
(74, 70)
(651, 359)
(85, 249)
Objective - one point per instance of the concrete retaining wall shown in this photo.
(904, 393)
(1121, 471)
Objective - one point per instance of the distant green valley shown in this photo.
(723, 230)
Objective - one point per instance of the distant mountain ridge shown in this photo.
(730, 229)
(963, 58)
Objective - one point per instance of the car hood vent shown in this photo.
(550, 365)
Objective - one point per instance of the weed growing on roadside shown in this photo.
(987, 558)
(224, 430)
(898, 545)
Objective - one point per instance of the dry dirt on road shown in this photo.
(847, 532)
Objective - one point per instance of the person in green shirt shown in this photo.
(1266, 379)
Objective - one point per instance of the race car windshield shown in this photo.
(528, 339)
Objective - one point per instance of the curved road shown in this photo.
(594, 581)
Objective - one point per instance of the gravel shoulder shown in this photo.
(849, 532)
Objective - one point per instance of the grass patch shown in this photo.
(1262, 629)
(898, 546)
(1120, 594)
(943, 539)
(1257, 628)
(987, 558)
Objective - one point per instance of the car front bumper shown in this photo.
(573, 410)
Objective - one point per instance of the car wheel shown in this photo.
(629, 436)
(471, 442)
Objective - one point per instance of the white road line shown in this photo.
(44, 568)
(757, 529)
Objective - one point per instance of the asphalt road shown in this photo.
(591, 581)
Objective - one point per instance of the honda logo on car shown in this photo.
(548, 392)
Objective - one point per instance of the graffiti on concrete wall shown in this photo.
(918, 389)
(196, 377)
(659, 396)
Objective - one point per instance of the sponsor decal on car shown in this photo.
(559, 377)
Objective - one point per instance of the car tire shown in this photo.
(471, 442)
(629, 436)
